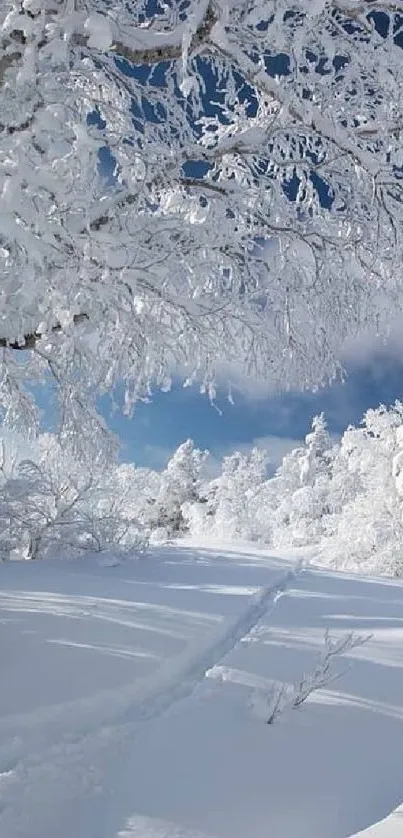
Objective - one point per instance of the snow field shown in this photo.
(134, 698)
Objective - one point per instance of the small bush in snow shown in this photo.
(282, 696)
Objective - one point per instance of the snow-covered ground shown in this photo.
(132, 699)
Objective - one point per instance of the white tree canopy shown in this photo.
(191, 183)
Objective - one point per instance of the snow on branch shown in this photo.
(146, 46)
(29, 341)
(323, 674)
(353, 8)
(141, 45)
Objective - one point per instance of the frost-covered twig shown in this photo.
(277, 701)
(323, 674)
(282, 696)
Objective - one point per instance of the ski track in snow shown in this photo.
(165, 733)
(179, 679)
(174, 680)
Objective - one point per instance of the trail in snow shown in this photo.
(178, 679)
(171, 681)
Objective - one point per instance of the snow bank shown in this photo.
(390, 827)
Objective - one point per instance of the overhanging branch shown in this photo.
(164, 46)
(30, 340)
(162, 52)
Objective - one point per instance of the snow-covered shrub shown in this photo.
(54, 504)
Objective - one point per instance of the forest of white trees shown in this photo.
(343, 498)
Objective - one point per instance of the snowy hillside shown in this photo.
(135, 698)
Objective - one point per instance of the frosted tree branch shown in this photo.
(353, 8)
(215, 185)
(29, 341)
(144, 46)
(323, 674)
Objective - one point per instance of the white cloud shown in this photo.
(366, 349)
(275, 446)
(156, 456)
(232, 376)
(368, 345)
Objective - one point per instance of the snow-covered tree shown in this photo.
(186, 185)
(137, 489)
(13, 487)
(302, 488)
(179, 490)
(230, 507)
(317, 457)
(367, 530)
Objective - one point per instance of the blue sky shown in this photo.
(274, 421)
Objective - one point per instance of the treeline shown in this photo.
(344, 497)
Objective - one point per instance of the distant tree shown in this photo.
(317, 458)
(180, 488)
(303, 487)
(230, 509)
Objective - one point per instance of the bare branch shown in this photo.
(277, 701)
(322, 674)
(282, 696)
